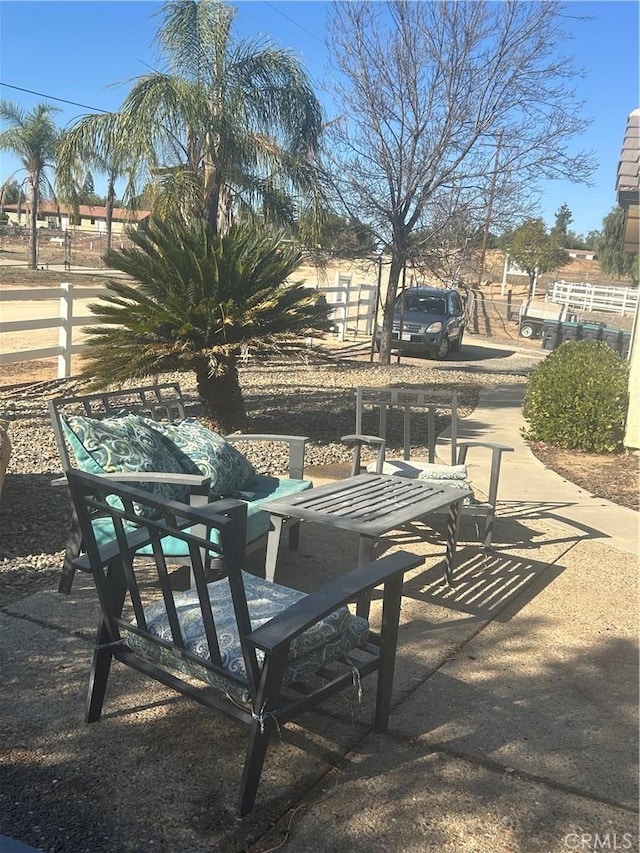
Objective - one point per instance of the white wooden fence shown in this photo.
(353, 312)
(65, 322)
(353, 305)
(593, 297)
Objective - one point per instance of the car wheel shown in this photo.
(527, 330)
(442, 350)
(456, 346)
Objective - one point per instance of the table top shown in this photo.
(372, 504)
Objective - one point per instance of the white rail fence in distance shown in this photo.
(353, 312)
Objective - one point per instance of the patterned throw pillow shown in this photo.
(123, 444)
(194, 444)
(434, 471)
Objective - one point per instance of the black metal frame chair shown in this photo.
(272, 697)
(160, 402)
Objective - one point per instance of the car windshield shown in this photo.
(421, 304)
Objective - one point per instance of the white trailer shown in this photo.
(534, 312)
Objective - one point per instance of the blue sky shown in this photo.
(82, 48)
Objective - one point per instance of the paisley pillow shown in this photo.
(194, 444)
(435, 471)
(123, 444)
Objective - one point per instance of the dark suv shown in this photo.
(427, 320)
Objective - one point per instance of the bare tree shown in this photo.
(427, 91)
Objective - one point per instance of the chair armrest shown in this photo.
(194, 516)
(296, 448)
(358, 439)
(303, 614)
(496, 460)
(373, 440)
(197, 483)
(489, 444)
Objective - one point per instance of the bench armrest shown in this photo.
(358, 440)
(296, 448)
(284, 627)
(197, 483)
(496, 460)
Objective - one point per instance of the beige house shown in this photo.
(628, 192)
(89, 218)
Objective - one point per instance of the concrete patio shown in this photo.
(514, 727)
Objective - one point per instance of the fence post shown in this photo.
(65, 332)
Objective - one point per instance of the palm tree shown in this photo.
(93, 141)
(199, 301)
(229, 125)
(33, 137)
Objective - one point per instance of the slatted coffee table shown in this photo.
(370, 505)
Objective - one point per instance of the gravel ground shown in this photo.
(314, 398)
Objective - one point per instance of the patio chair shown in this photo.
(257, 651)
(134, 431)
(423, 403)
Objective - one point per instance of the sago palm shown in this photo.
(33, 137)
(199, 300)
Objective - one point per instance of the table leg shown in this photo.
(273, 545)
(453, 526)
(365, 555)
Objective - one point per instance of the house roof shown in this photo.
(120, 214)
(628, 179)
(628, 182)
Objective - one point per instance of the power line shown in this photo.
(53, 98)
(295, 23)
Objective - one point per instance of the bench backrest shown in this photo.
(163, 401)
(424, 404)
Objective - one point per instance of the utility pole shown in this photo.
(487, 221)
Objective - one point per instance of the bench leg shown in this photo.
(74, 544)
(453, 527)
(294, 535)
(273, 545)
(365, 555)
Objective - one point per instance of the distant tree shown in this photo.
(94, 140)
(591, 240)
(535, 251)
(33, 137)
(613, 260)
(427, 90)
(563, 218)
(87, 185)
(337, 236)
(573, 241)
(197, 302)
(10, 192)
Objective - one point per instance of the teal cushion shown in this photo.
(335, 635)
(192, 444)
(123, 444)
(263, 489)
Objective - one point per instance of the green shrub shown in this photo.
(577, 398)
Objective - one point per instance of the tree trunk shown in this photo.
(221, 396)
(111, 195)
(33, 236)
(389, 306)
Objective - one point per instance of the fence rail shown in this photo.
(593, 297)
(353, 312)
(65, 321)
